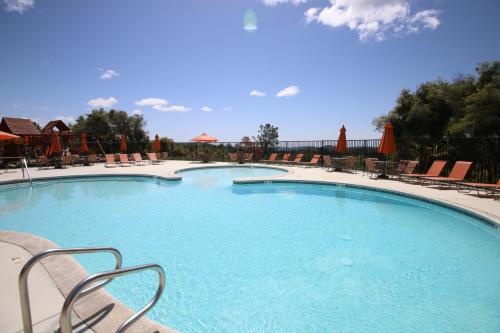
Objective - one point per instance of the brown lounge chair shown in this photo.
(371, 168)
(327, 162)
(457, 174)
(271, 159)
(488, 189)
(313, 162)
(43, 162)
(110, 161)
(297, 160)
(434, 171)
(124, 160)
(137, 158)
(248, 157)
(284, 159)
(233, 157)
(152, 158)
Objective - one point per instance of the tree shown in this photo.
(467, 106)
(267, 136)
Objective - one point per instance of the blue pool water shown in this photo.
(275, 257)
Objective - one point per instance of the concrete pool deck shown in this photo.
(52, 281)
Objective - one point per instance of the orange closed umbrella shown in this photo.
(204, 138)
(342, 142)
(84, 149)
(7, 136)
(55, 145)
(123, 143)
(157, 144)
(387, 145)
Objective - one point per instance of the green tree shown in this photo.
(267, 136)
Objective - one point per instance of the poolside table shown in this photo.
(339, 163)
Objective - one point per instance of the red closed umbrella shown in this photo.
(84, 149)
(342, 142)
(387, 145)
(157, 144)
(55, 145)
(123, 143)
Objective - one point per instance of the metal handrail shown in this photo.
(24, 165)
(23, 276)
(79, 291)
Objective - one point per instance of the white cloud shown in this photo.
(102, 102)
(206, 109)
(288, 91)
(172, 108)
(66, 119)
(273, 3)
(152, 101)
(109, 74)
(19, 6)
(374, 19)
(257, 93)
(137, 112)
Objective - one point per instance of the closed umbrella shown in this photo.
(157, 144)
(84, 149)
(341, 142)
(123, 143)
(55, 145)
(387, 145)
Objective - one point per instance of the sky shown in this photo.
(224, 67)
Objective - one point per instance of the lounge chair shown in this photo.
(110, 161)
(406, 168)
(43, 162)
(124, 160)
(66, 161)
(152, 158)
(434, 171)
(351, 163)
(296, 160)
(371, 168)
(457, 174)
(271, 159)
(327, 162)
(91, 159)
(137, 158)
(488, 189)
(284, 159)
(248, 157)
(313, 162)
(233, 157)
(163, 157)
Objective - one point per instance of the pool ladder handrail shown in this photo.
(23, 277)
(24, 166)
(79, 291)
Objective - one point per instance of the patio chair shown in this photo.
(43, 162)
(284, 159)
(313, 162)
(92, 159)
(371, 168)
(248, 157)
(406, 168)
(434, 171)
(110, 161)
(66, 161)
(271, 159)
(488, 189)
(233, 157)
(457, 174)
(351, 163)
(124, 160)
(327, 162)
(296, 160)
(137, 158)
(152, 158)
(163, 157)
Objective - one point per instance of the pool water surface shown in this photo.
(275, 257)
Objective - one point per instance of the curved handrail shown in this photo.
(23, 276)
(78, 292)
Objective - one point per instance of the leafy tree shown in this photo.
(267, 136)
(467, 106)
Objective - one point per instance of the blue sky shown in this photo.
(190, 66)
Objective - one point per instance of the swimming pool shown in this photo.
(275, 257)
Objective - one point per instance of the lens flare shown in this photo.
(250, 21)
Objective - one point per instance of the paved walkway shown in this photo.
(51, 281)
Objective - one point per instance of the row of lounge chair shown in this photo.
(285, 160)
(136, 159)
